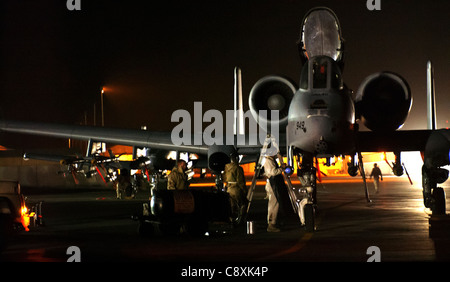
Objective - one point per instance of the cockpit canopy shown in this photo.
(321, 35)
(321, 72)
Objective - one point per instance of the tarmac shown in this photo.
(394, 227)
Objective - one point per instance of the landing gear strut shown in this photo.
(308, 178)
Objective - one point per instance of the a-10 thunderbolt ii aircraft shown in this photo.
(319, 118)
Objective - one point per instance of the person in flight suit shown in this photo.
(377, 176)
(177, 179)
(235, 185)
(271, 169)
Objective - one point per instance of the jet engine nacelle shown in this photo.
(272, 93)
(383, 101)
(219, 156)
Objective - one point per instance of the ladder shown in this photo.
(269, 140)
(297, 202)
(293, 198)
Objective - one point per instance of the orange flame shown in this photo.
(25, 217)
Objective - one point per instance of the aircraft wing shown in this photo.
(403, 140)
(52, 157)
(130, 137)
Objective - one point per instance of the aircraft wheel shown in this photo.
(439, 201)
(309, 218)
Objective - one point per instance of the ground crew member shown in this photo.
(235, 185)
(376, 173)
(271, 169)
(177, 179)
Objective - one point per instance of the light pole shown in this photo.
(103, 114)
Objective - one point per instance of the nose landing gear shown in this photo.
(304, 199)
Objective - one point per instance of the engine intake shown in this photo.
(383, 101)
(272, 93)
(219, 156)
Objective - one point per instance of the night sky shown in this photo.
(155, 58)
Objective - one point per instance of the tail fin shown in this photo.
(238, 103)
(431, 103)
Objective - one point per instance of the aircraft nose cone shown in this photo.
(276, 102)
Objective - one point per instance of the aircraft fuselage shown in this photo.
(322, 113)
